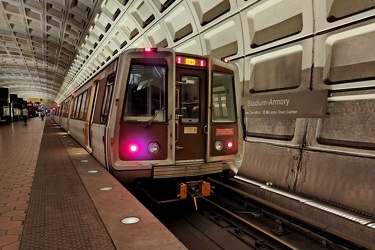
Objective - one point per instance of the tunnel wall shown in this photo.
(328, 158)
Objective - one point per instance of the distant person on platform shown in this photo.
(42, 114)
(25, 114)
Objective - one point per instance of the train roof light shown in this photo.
(149, 50)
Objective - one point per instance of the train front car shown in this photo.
(175, 117)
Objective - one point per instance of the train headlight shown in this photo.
(154, 148)
(218, 145)
(230, 144)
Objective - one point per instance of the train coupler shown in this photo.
(193, 189)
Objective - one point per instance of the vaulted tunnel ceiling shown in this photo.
(38, 42)
(49, 48)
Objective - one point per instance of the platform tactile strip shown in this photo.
(61, 214)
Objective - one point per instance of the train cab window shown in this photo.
(107, 99)
(223, 98)
(145, 93)
(189, 97)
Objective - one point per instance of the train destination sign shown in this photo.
(308, 104)
(190, 61)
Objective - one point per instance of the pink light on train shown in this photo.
(149, 50)
(202, 63)
(133, 148)
(230, 144)
(179, 60)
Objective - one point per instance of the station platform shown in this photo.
(54, 195)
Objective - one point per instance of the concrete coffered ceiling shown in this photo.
(38, 41)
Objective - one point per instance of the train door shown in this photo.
(191, 115)
(88, 115)
(223, 129)
(98, 122)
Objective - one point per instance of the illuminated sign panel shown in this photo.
(36, 99)
(190, 61)
(306, 104)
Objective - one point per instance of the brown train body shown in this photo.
(158, 114)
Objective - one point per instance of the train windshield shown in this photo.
(190, 99)
(223, 98)
(145, 93)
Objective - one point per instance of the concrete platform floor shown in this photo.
(52, 196)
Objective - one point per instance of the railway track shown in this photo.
(228, 220)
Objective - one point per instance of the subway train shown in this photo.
(158, 114)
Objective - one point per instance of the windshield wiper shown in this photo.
(155, 115)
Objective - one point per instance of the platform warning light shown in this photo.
(230, 144)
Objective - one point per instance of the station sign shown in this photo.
(36, 99)
(307, 104)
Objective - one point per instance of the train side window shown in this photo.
(83, 105)
(189, 97)
(223, 97)
(145, 93)
(65, 109)
(74, 107)
(78, 107)
(107, 99)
